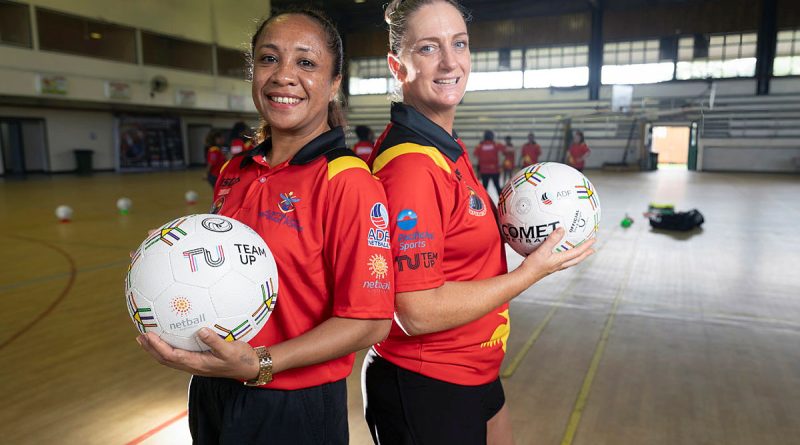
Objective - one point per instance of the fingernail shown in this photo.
(203, 333)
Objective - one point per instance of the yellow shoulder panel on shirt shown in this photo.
(223, 166)
(401, 149)
(343, 163)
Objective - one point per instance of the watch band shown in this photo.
(264, 368)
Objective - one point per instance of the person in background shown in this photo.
(241, 141)
(578, 152)
(363, 148)
(434, 380)
(324, 218)
(530, 152)
(215, 157)
(509, 161)
(487, 152)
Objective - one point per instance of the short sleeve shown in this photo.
(356, 246)
(414, 186)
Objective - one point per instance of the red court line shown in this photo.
(155, 430)
(72, 273)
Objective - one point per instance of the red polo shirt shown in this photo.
(444, 228)
(577, 155)
(510, 157)
(215, 159)
(488, 155)
(323, 216)
(363, 149)
(530, 154)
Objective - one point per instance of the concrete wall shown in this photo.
(228, 23)
(220, 101)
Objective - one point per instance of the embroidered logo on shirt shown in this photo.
(500, 334)
(217, 205)
(424, 259)
(281, 219)
(378, 266)
(227, 182)
(406, 219)
(476, 205)
(287, 202)
(378, 236)
(379, 215)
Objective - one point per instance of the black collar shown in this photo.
(330, 140)
(408, 117)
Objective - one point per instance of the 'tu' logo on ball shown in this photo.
(213, 262)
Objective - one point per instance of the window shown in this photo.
(787, 53)
(231, 63)
(561, 66)
(716, 56)
(161, 50)
(76, 35)
(370, 76)
(15, 24)
(635, 62)
(496, 70)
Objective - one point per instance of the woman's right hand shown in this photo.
(543, 261)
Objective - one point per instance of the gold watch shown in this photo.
(264, 368)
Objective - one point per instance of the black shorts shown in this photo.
(224, 411)
(404, 407)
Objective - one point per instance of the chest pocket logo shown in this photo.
(286, 204)
(476, 205)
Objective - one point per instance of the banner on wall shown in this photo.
(118, 90)
(52, 84)
(148, 142)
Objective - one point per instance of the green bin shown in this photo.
(83, 161)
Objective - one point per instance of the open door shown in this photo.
(23, 146)
(672, 146)
(197, 143)
(13, 151)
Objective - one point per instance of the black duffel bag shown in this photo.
(682, 221)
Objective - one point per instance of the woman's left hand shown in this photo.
(235, 360)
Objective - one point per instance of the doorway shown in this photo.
(197, 143)
(672, 146)
(23, 146)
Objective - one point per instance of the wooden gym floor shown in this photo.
(657, 339)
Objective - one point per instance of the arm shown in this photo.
(459, 302)
(333, 338)
(358, 319)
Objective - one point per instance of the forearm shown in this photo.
(457, 303)
(333, 338)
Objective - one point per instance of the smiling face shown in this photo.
(293, 75)
(433, 63)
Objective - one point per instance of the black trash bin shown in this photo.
(83, 161)
(653, 161)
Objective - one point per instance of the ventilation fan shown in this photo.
(157, 85)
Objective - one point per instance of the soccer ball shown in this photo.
(541, 198)
(201, 271)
